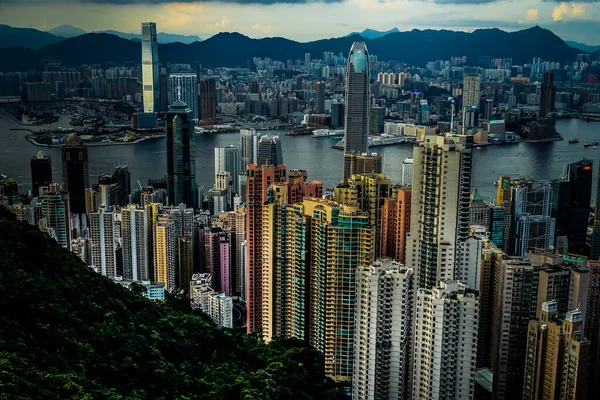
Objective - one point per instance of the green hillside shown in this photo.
(69, 333)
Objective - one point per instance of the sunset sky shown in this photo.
(309, 19)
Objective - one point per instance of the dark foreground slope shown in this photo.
(69, 333)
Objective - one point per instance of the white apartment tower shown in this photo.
(383, 331)
(136, 252)
(445, 342)
(440, 207)
(103, 235)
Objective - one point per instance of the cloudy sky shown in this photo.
(306, 20)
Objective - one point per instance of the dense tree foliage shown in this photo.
(69, 333)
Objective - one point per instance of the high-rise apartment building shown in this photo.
(445, 333)
(181, 160)
(320, 98)
(165, 250)
(383, 331)
(150, 74)
(439, 207)
(571, 197)
(75, 172)
(356, 124)
(514, 304)
(103, 235)
(259, 179)
(207, 99)
(504, 200)
(395, 224)
(219, 260)
(54, 214)
(269, 151)
(592, 327)
(235, 224)
(556, 365)
(479, 210)
(595, 248)
(136, 252)
(183, 87)
(227, 159)
(41, 172)
(471, 90)
(185, 262)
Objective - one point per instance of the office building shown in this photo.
(183, 87)
(533, 226)
(75, 172)
(497, 226)
(547, 96)
(249, 147)
(54, 214)
(395, 224)
(163, 81)
(269, 151)
(150, 74)
(122, 178)
(319, 98)
(260, 178)
(407, 172)
(181, 160)
(423, 117)
(207, 99)
(514, 304)
(571, 197)
(376, 119)
(383, 331)
(445, 342)
(41, 172)
(103, 235)
(356, 126)
(556, 365)
(228, 159)
(362, 164)
(440, 207)
(337, 115)
(136, 252)
(479, 210)
(217, 306)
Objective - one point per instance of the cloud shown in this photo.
(531, 16)
(223, 22)
(265, 29)
(567, 11)
(153, 2)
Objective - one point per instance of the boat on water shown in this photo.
(590, 144)
(574, 140)
(300, 131)
(327, 133)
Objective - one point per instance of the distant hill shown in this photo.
(373, 34)
(66, 332)
(583, 46)
(161, 37)
(415, 47)
(67, 31)
(27, 37)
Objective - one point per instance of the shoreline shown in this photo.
(91, 144)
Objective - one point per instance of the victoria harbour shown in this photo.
(539, 161)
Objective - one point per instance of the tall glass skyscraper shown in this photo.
(357, 100)
(188, 83)
(181, 160)
(269, 151)
(150, 75)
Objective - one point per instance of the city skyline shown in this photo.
(577, 21)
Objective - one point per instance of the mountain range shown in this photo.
(583, 46)
(415, 47)
(373, 34)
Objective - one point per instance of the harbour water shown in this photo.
(147, 159)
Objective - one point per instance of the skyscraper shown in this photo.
(150, 74)
(41, 172)
(269, 151)
(383, 331)
(471, 90)
(136, 252)
(595, 250)
(571, 197)
(55, 219)
(122, 178)
(75, 172)
(395, 224)
(185, 83)
(207, 99)
(547, 96)
(249, 147)
(320, 98)
(103, 235)
(228, 159)
(362, 164)
(445, 342)
(165, 250)
(592, 326)
(407, 172)
(440, 207)
(357, 100)
(556, 365)
(260, 177)
(181, 161)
